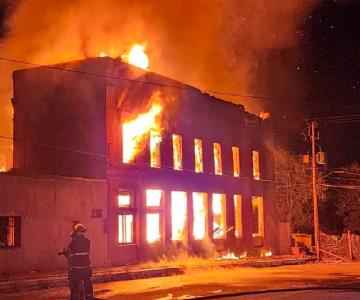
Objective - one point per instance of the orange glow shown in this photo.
(102, 54)
(153, 227)
(178, 216)
(177, 151)
(217, 159)
(238, 216)
(199, 165)
(137, 56)
(135, 131)
(200, 208)
(155, 140)
(2, 169)
(124, 199)
(218, 207)
(236, 161)
(258, 216)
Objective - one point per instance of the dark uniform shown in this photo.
(79, 267)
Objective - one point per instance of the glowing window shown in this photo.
(178, 216)
(218, 208)
(153, 227)
(124, 199)
(256, 164)
(200, 208)
(199, 165)
(258, 216)
(153, 197)
(217, 159)
(177, 152)
(126, 228)
(236, 161)
(10, 232)
(238, 216)
(155, 141)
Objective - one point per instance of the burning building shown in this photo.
(148, 163)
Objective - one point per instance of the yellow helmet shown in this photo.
(79, 228)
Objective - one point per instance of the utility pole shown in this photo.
(315, 195)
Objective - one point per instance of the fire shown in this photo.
(200, 218)
(136, 130)
(2, 169)
(178, 215)
(231, 255)
(137, 56)
(102, 54)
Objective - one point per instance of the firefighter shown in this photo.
(80, 269)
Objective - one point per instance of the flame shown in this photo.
(153, 227)
(231, 255)
(137, 56)
(135, 131)
(267, 254)
(102, 54)
(2, 169)
(200, 212)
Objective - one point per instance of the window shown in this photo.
(153, 215)
(126, 228)
(178, 216)
(256, 164)
(199, 164)
(258, 216)
(153, 198)
(238, 216)
(218, 208)
(177, 152)
(217, 159)
(153, 227)
(10, 232)
(155, 141)
(200, 208)
(236, 161)
(124, 199)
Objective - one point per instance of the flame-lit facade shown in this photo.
(182, 169)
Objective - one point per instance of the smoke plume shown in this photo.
(213, 45)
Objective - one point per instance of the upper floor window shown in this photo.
(10, 232)
(199, 164)
(256, 164)
(217, 159)
(236, 161)
(177, 152)
(155, 141)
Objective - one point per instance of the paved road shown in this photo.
(212, 283)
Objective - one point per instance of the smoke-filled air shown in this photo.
(212, 45)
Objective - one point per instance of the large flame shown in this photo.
(135, 131)
(137, 56)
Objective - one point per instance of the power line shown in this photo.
(183, 87)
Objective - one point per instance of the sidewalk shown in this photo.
(49, 280)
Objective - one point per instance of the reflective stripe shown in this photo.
(79, 254)
(79, 268)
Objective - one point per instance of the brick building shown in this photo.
(174, 168)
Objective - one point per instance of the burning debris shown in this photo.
(231, 255)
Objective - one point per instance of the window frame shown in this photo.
(17, 228)
(127, 210)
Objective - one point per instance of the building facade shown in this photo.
(182, 170)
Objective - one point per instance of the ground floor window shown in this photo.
(200, 208)
(10, 232)
(258, 216)
(238, 216)
(219, 220)
(178, 216)
(153, 227)
(126, 228)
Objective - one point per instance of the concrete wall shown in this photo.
(48, 208)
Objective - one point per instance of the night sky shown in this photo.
(319, 77)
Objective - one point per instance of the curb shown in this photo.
(61, 280)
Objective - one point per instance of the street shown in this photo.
(311, 281)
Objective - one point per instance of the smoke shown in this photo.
(214, 45)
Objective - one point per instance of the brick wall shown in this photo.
(339, 245)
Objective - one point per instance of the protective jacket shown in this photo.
(79, 249)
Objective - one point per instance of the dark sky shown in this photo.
(319, 77)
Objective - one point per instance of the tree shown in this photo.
(347, 196)
(294, 191)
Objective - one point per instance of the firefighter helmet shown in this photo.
(79, 228)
